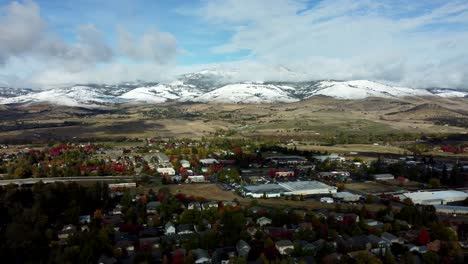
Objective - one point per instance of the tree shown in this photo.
(423, 237)
(434, 183)
(389, 258)
(430, 257)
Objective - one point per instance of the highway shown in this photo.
(29, 181)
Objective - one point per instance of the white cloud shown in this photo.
(32, 55)
(390, 41)
(24, 33)
(159, 47)
(20, 28)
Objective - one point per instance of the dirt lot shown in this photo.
(371, 187)
(212, 192)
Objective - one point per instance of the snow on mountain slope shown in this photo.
(208, 86)
(449, 93)
(250, 93)
(83, 96)
(361, 89)
(162, 93)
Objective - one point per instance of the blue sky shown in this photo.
(58, 42)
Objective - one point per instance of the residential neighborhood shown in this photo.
(282, 206)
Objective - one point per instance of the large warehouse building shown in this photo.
(436, 197)
(305, 188)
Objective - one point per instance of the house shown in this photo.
(201, 256)
(166, 171)
(169, 228)
(223, 255)
(104, 259)
(284, 247)
(162, 158)
(383, 177)
(149, 242)
(228, 203)
(195, 178)
(184, 229)
(66, 232)
(243, 248)
(379, 246)
(418, 249)
(209, 205)
(194, 206)
(117, 210)
(85, 219)
(152, 207)
(263, 221)
(357, 243)
(185, 164)
(208, 162)
(125, 245)
(390, 238)
(251, 230)
(374, 223)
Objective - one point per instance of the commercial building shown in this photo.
(451, 209)
(436, 197)
(269, 190)
(347, 196)
(305, 188)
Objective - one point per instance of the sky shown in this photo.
(47, 43)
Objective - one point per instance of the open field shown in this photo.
(212, 192)
(321, 123)
(355, 148)
(371, 187)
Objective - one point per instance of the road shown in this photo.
(66, 179)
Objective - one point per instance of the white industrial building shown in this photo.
(304, 188)
(307, 188)
(269, 190)
(436, 197)
(451, 209)
(347, 196)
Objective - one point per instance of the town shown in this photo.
(230, 201)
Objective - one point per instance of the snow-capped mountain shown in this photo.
(361, 89)
(249, 93)
(161, 93)
(216, 87)
(81, 96)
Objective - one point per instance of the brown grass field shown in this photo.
(212, 192)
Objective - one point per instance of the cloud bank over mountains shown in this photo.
(417, 44)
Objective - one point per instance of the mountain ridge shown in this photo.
(214, 87)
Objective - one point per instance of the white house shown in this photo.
(262, 221)
(195, 178)
(185, 164)
(284, 247)
(169, 228)
(166, 171)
